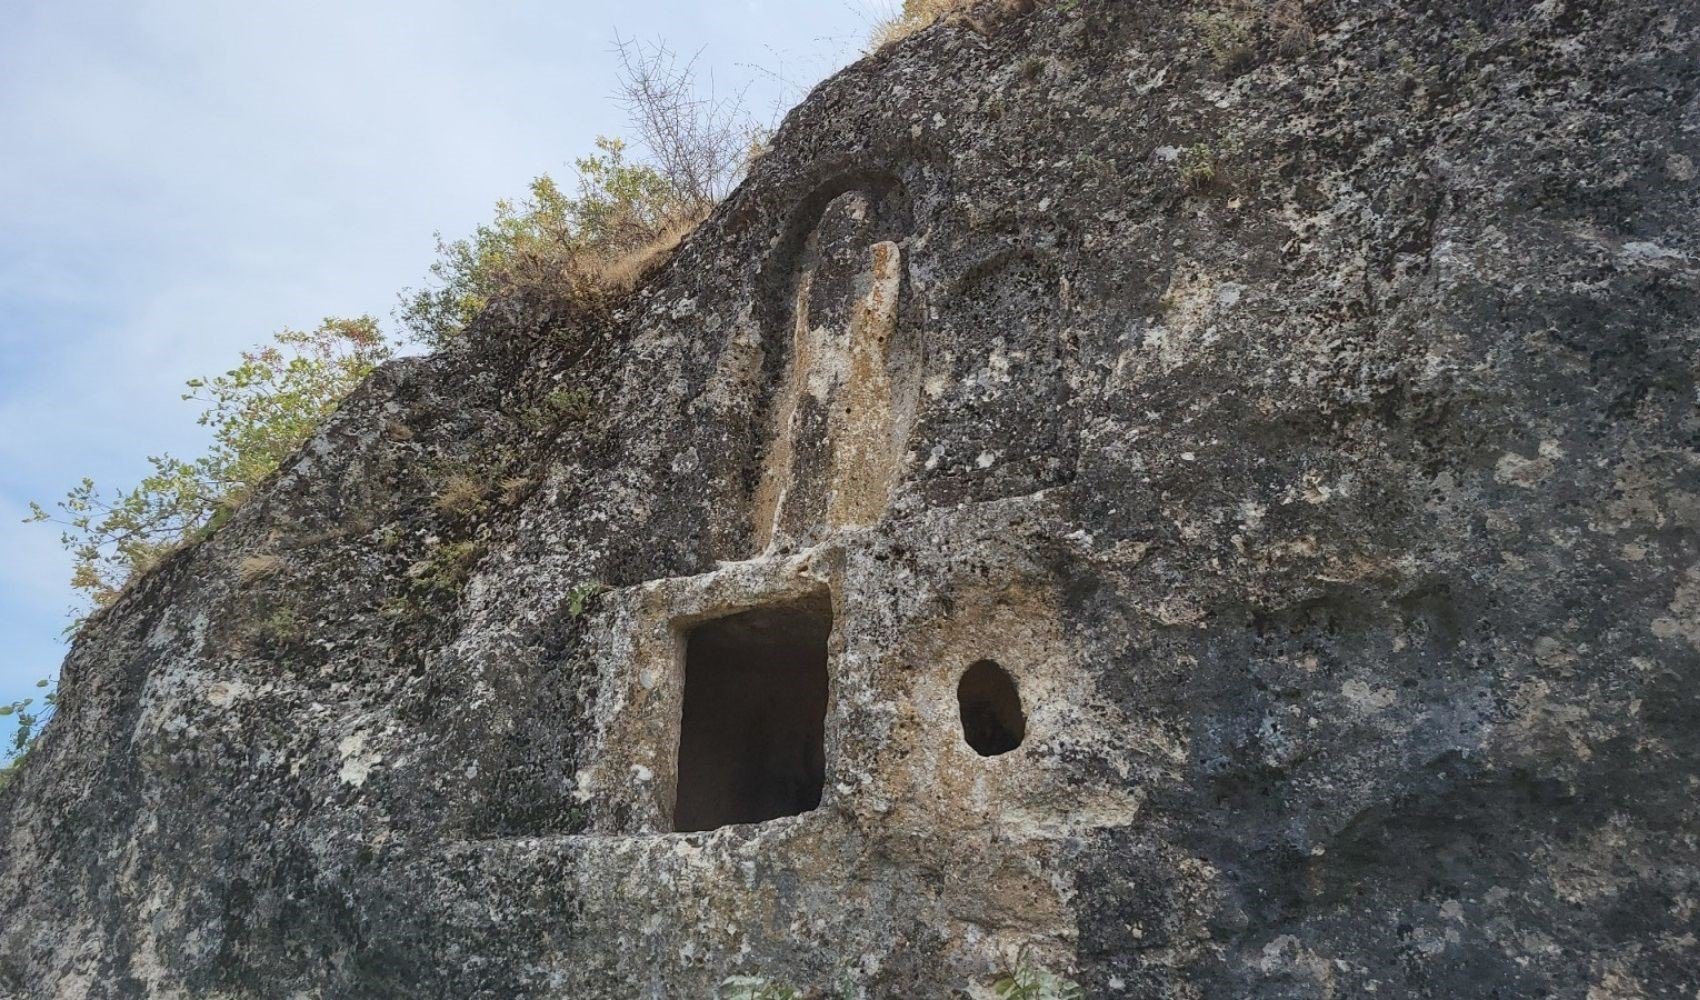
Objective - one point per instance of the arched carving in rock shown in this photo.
(846, 399)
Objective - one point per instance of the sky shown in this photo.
(181, 178)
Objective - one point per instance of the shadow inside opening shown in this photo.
(752, 741)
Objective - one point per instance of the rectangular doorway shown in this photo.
(752, 739)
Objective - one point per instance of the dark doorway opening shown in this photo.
(752, 740)
(992, 720)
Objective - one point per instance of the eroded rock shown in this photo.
(1334, 520)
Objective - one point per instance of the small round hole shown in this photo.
(992, 720)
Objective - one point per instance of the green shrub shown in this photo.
(1231, 31)
(259, 412)
(620, 208)
(624, 215)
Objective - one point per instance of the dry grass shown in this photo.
(1294, 35)
(623, 272)
(917, 15)
(1230, 34)
(514, 489)
(258, 567)
(593, 277)
(460, 496)
(1233, 30)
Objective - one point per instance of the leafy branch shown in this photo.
(259, 412)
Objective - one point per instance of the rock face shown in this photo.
(1297, 403)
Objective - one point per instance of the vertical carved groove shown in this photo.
(866, 451)
(776, 465)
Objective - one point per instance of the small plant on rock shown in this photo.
(568, 403)
(448, 567)
(918, 15)
(755, 988)
(1295, 35)
(560, 408)
(278, 631)
(1030, 981)
(460, 495)
(915, 16)
(29, 727)
(1198, 168)
(513, 489)
(1229, 36)
(580, 597)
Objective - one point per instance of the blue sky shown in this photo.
(181, 178)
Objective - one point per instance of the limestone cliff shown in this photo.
(1297, 404)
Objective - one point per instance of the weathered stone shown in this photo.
(1335, 516)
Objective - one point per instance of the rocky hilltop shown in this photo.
(1204, 501)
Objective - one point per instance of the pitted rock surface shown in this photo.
(1336, 519)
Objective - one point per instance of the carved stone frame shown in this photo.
(631, 787)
